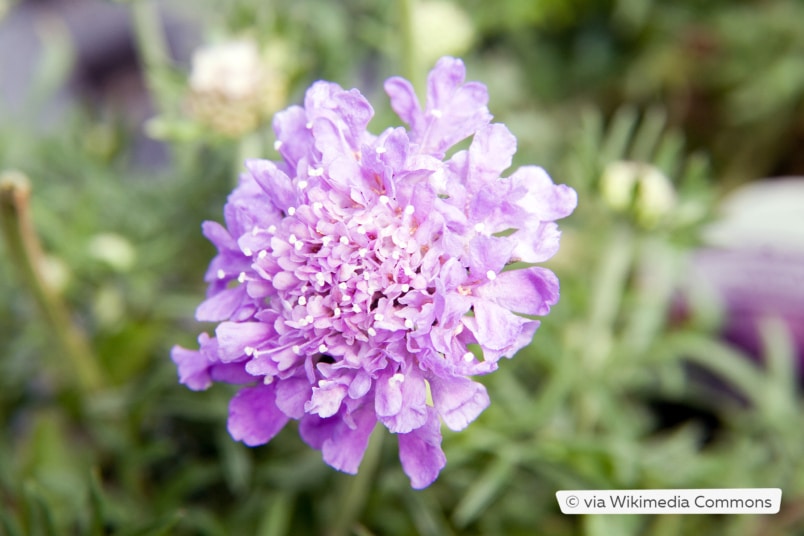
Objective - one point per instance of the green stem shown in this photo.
(410, 62)
(607, 293)
(152, 48)
(357, 491)
(609, 288)
(25, 252)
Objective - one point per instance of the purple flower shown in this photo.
(352, 275)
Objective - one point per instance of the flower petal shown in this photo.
(221, 306)
(401, 401)
(341, 445)
(254, 418)
(544, 199)
(420, 452)
(291, 394)
(235, 337)
(530, 291)
(193, 367)
(458, 400)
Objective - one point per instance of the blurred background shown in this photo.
(673, 359)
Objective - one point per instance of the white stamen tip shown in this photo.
(491, 275)
(409, 323)
(302, 300)
(410, 209)
(296, 349)
(292, 239)
(480, 227)
(272, 229)
(221, 273)
(291, 211)
(315, 172)
(248, 350)
(355, 308)
(309, 319)
(360, 229)
(384, 199)
(309, 125)
(278, 145)
(372, 332)
(343, 240)
(379, 317)
(318, 205)
(302, 184)
(362, 252)
(336, 312)
(268, 380)
(380, 149)
(298, 245)
(395, 254)
(262, 254)
(347, 298)
(319, 278)
(405, 287)
(322, 348)
(468, 357)
(241, 277)
(435, 112)
(247, 252)
(397, 378)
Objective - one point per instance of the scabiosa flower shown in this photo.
(352, 275)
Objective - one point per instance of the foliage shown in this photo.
(618, 390)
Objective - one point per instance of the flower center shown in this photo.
(346, 275)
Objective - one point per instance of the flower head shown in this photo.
(235, 84)
(352, 275)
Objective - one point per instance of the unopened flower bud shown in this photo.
(639, 188)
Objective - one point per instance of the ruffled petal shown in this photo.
(544, 199)
(235, 337)
(490, 154)
(455, 110)
(530, 291)
(404, 102)
(326, 399)
(193, 367)
(221, 306)
(294, 139)
(401, 401)
(274, 182)
(342, 444)
(458, 400)
(254, 418)
(420, 452)
(291, 395)
(499, 330)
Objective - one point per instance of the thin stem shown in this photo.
(607, 293)
(152, 47)
(357, 491)
(25, 252)
(410, 62)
